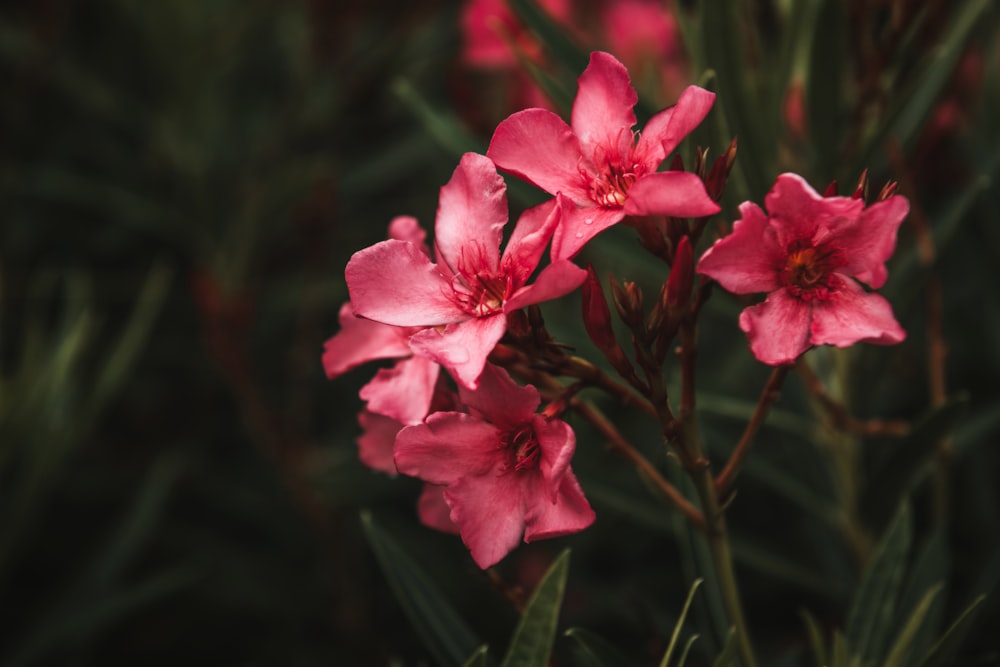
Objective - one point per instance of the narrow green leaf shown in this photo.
(954, 635)
(815, 638)
(687, 649)
(905, 639)
(596, 649)
(446, 129)
(728, 656)
(932, 566)
(442, 630)
(532, 643)
(825, 89)
(840, 655)
(869, 620)
(680, 623)
(478, 659)
(553, 37)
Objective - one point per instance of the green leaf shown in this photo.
(954, 635)
(680, 623)
(909, 632)
(444, 126)
(840, 655)
(728, 656)
(815, 638)
(825, 89)
(444, 633)
(930, 568)
(553, 37)
(477, 659)
(870, 618)
(596, 649)
(532, 643)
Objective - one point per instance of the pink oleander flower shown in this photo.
(645, 36)
(599, 163)
(505, 469)
(460, 303)
(809, 252)
(491, 32)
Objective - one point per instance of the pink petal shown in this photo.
(394, 282)
(406, 228)
(528, 240)
(359, 341)
(869, 242)
(434, 511)
(604, 101)
(499, 400)
(376, 441)
(472, 210)
(447, 447)
(489, 513)
(852, 315)
(539, 147)
(557, 279)
(462, 348)
(557, 443)
(665, 131)
(580, 224)
(675, 193)
(568, 513)
(749, 260)
(799, 213)
(778, 329)
(403, 392)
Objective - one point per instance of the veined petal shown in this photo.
(539, 147)
(568, 513)
(472, 210)
(489, 512)
(499, 400)
(403, 392)
(463, 347)
(800, 213)
(852, 315)
(869, 242)
(579, 224)
(604, 103)
(376, 441)
(434, 511)
(557, 442)
(557, 279)
(360, 340)
(749, 260)
(778, 329)
(447, 447)
(675, 193)
(528, 240)
(665, 130)
(394, 282)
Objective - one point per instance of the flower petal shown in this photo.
(799, 213)
(447, 447)
(852, 315)
(749, 260)
(462, 348)
(528, 240)
(667, 129)
(394, 282)
(376, 441)
(604, 103)
(434, 511)
(406, 228)
(568, 513)
(359, 341)
(557, 279)
(778, 329)
(675, 193)
(870, 241)
(579, 224)
(489, 513)
(472, 211)
(499, 400)
(539, 147)
(403, 392)
(557, 442)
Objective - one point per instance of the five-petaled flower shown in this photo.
(599, 163)
(505, 469)
(460, 303)
(809, 252)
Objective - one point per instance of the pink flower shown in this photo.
(459, 304)
(599, 163)
(505, 469)
(809, 252)
(491, 32)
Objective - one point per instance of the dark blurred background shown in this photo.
(181, 185)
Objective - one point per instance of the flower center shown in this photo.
(481, 294)
(808, 271)
(618, 171)
(522, 448)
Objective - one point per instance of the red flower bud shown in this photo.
(681, 277)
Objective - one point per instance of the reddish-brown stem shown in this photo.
(767, 397)
(841, 418)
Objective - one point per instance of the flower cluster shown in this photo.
(496, 467)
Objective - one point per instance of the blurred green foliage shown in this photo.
(182, 184)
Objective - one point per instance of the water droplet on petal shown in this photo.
(588, 221)
(579, 235)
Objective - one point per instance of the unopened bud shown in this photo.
(628, 302)
(888, 190)
(677, 164)
(831, 190)
(715, 182)
(681, 279)
(861, 189)
(597, 321)
(700, 160)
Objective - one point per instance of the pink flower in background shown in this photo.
(491, 31)
(599, 163)
(460, 303)
(505, 469)
(644, 35)
(809, 252)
